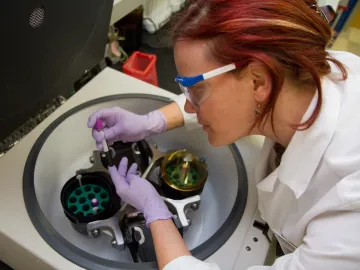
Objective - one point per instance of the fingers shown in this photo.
(123, 167)
(111, 133)
(132, 169)
(99, 146)
(120, 184)
(131, 172)
(114, 173)
(97, 136)
(99, 114)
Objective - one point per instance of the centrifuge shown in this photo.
(58, 206)
(38, 231)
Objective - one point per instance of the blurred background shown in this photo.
(153, 18)
(347, 26)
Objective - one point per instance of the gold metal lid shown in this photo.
(184, 171)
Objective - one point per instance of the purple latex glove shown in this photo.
(138, 192)
(122, 125)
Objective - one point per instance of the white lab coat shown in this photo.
(312, 200)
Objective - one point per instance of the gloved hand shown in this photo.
(138, 192)
(122, 125)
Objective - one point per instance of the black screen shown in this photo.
(45, 47)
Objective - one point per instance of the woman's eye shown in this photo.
(197, 92)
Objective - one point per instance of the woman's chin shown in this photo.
(218, 139)
(215, 140)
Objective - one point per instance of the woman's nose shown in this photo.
(189, 108)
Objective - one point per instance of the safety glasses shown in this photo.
(198, 96)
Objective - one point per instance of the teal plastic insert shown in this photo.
(79, 201)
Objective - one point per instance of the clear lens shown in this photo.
(196, 96)
(199, 95)
(188, 96)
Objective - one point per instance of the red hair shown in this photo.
(287, 36)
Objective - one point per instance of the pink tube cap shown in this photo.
(94, 202)
(99, 125)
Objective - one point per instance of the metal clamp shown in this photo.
(96, 166)
(182, 206)
(179, 206)
(141, 237)
(111, 224)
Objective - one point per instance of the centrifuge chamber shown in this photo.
(66, 146)
(52, 154)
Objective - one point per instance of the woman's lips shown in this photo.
(205, 127)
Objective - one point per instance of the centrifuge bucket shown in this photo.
(66, 146)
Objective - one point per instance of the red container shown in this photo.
(142, 66)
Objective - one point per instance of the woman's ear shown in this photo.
(261, 81)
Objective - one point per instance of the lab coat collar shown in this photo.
(306, 148)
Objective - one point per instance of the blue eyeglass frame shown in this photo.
(185, 82)
(190, 81)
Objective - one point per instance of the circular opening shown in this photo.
(85, 213)
(104, 205)
(184, 171)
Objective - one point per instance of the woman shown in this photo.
(260, 67)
